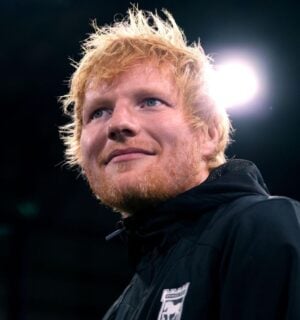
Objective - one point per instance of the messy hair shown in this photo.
(145, 36)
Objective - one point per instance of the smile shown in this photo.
(120, 155)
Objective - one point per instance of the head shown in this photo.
(143, 63)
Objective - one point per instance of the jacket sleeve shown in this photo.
(260, 266)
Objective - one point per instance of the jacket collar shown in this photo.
(160, 227)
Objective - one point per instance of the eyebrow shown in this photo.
(138, 92)
(144, 92)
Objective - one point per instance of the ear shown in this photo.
(209, 144)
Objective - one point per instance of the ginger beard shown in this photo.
(151, 185)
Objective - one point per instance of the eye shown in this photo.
(99, 113)
(151, 102)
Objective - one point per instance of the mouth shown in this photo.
(127, 154)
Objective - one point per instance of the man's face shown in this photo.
(137, 148)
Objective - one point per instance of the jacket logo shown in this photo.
(172, 303)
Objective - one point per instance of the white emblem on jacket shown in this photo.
(172, 303)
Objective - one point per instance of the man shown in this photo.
(206, 238)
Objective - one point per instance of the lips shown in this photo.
(119, 152)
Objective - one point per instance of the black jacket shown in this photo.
(223, 250)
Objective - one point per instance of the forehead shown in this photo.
(144, 77)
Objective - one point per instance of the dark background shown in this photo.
(54, 262)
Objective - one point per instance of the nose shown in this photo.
(123, 123)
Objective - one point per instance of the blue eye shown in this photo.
(151, 102)
(99, 113)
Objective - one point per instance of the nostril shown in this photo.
(112, 135)
(128, 132)
(120, 134)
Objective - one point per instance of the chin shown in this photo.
(128, 197)
(131, 192)
(133, 186)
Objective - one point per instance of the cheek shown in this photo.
(91, 144)
(167, 130)
(175, 134)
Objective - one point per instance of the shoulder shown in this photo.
(273, 214)
(260, 259)
(252, 222)
(267, 231)
(261, 239)
(276, 204)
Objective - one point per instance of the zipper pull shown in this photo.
(117, 232)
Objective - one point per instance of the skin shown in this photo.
(137, 147)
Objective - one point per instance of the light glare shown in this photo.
(234, 84)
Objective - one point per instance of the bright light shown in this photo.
(234, 83)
